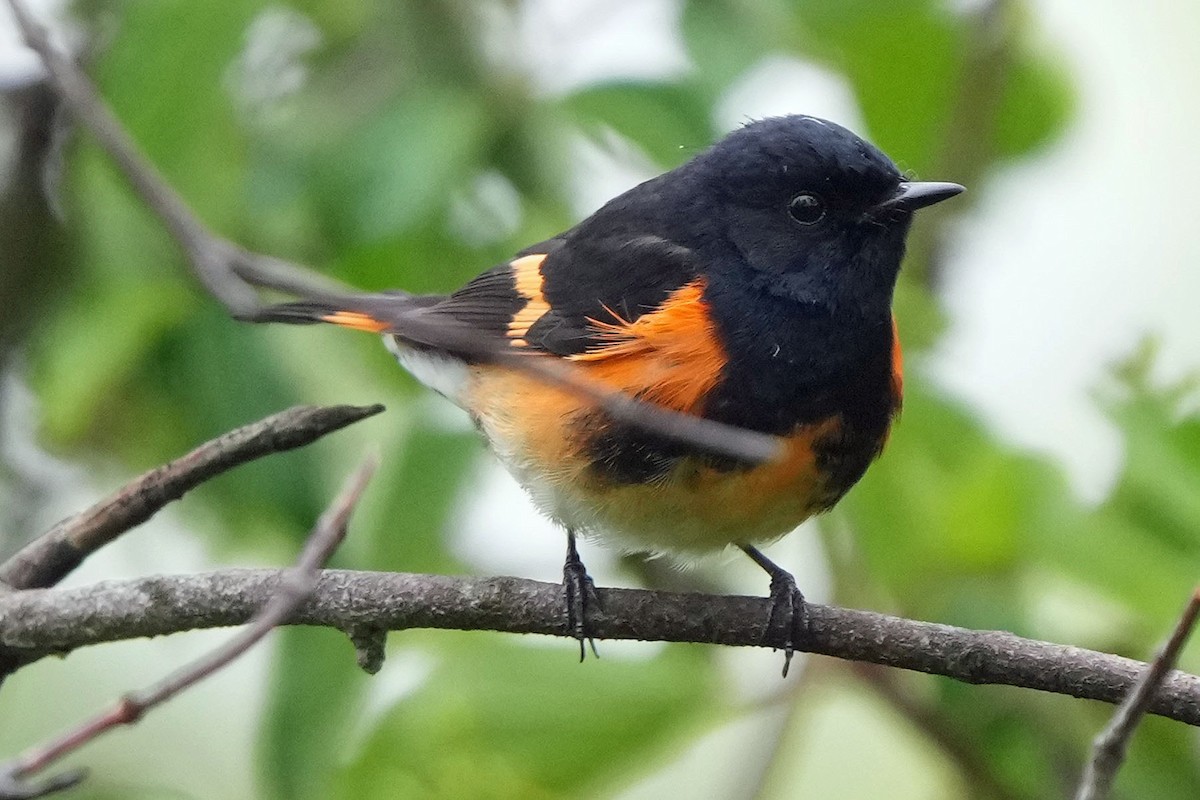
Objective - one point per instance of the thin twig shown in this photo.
(40, 622)
(1108, 749)
(290, 591)
(50, 557)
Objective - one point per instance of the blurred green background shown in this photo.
(1043, 478)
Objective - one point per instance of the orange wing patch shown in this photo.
(356, 320)
(670, 356)
(527, 275)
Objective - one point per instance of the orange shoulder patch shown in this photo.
(670, 356)
(527, 274)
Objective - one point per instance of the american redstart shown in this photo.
(751, 286)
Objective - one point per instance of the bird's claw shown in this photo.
(788, 615)
(579, 590)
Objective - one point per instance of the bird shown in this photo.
(751, 286)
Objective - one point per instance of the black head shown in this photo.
(810, 211)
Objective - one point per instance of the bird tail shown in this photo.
(375, 313)
(411, 319)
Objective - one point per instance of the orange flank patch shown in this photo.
(897, 362)
(528, 278)
(356, 320)
(671, 356)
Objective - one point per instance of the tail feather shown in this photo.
(376, 313)
(411, 319)
(307, 312)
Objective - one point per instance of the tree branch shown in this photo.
(50, 557)
(293, 588)
(40, 622)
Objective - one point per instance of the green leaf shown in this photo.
(726, 37)
(1121, 559)
(1142, 544)
(314, 698)
(1036, 105)
(903, 58)
(1162, 470)
(79, 377)
(496, 719)
(943, 504)
(419, 486)
(671, 122)
(395, 171)
(425, 259)
(165, 78)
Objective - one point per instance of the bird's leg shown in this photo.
(580, 593)
(787, 604)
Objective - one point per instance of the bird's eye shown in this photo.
(807, 209)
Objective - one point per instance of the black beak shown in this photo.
(912, 195)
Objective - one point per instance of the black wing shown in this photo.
(550, 297)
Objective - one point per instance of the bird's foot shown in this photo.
(788, 613)
(579, 591)
(788, 619)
